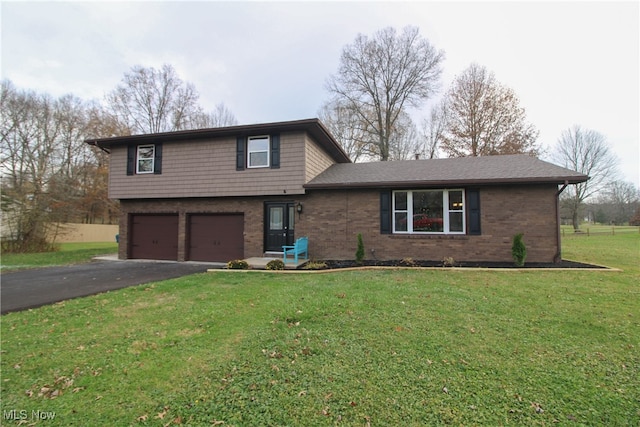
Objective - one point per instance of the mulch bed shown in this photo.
(335, 264)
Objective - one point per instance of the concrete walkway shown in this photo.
(258, 263)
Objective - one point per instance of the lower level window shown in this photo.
(429, 211)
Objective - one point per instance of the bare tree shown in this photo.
(403, 141)
(151, 101)
(485, 118)
(619, 200)
(345, 125)
(381, 77)
(47, 170)
(221, 116)
(29, 157)
(585, 151)
(432, 132)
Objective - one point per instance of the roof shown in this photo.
(312, 126)
(487, 170)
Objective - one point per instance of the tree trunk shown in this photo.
(576, 224)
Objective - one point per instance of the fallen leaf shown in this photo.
(142, 418)
(537, 407)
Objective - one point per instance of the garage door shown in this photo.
(154, 237)
(216, 238)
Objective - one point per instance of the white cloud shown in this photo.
(569, 62)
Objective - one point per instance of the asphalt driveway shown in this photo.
(25, 289)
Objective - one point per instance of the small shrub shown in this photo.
(360, 251)
(275, 264)
(407, 262)
(315, 265)
(518, 250)
(448, 261)
(238, 264)
(27, 246)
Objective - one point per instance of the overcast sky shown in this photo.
(573, 63)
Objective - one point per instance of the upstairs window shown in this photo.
(429, 211)
(145, 159)
(258, 152)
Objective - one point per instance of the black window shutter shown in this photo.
(240, 150)
(275, 151)
(473, 208)
(131, 159)
(385, 212)
(157, 159)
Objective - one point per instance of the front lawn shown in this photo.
(403, 347)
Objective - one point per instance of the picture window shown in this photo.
(429, 211)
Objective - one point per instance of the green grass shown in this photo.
(392, 347)
(68, 253)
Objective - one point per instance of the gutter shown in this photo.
(443, 183)
(95, 144)
(558, 255)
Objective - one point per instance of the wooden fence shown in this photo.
(84, 233)
(598, 230)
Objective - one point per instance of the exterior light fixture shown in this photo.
(299, 208)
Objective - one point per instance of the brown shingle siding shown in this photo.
(316, 159)
(207, 169)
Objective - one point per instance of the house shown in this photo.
(243, 191)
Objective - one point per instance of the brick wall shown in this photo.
(333, 219)
(253, 209)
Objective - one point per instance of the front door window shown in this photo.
(276, 218)
(279, 225)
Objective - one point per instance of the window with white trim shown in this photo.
(145, 158)
(258, 152)
(429, 211)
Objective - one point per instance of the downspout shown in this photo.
(558, 256)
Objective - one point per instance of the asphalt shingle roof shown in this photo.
(507, 169)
